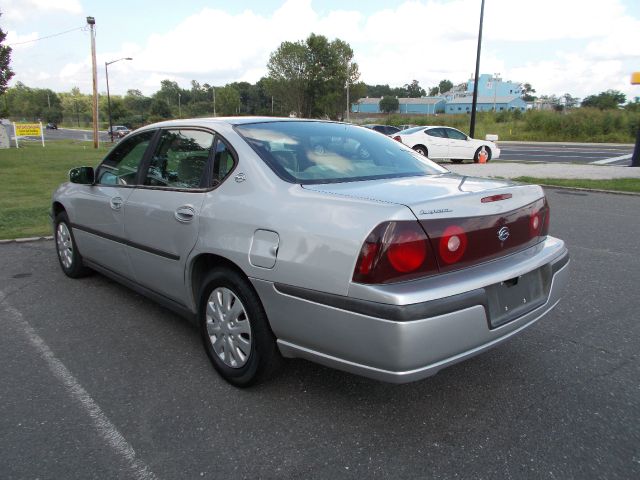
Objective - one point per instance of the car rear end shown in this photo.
(470, 271)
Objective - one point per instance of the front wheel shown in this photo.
(235, 329)
(68, 254)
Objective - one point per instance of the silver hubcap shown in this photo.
(228, 327)
(65, 245)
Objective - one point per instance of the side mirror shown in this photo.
(82, 175)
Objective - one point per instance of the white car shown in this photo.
(446, 142)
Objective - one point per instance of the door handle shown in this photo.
(184, 214)
(116, 203)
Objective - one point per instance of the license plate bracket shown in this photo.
(517, 296)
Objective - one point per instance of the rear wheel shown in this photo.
(235, 329)
(68, 254)
(422, 150)
(476, 156)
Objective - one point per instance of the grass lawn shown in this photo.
(28, 177)
(616, 184)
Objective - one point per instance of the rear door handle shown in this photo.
(184, 214)
(116, 203)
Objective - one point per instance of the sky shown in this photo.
(581, 47)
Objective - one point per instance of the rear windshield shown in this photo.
(325, 152)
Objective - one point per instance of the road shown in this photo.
(99, 382)
(71, 134)
(597, 154)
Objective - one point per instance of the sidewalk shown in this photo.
(543, 170)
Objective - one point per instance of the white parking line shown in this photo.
(106, 429)
(612, 160)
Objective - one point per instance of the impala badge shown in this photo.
(240, 177)
(503, 234)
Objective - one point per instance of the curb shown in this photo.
(590, 190)
(25, 239)
(571, 144)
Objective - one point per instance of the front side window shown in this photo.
(455, 134)
(180, 159)
(122, 164)
(325, 152)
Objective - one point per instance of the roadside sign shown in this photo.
(28, 130)
(635, 78)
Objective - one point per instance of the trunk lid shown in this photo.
(467, 220)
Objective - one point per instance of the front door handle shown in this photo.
(184, 214)
(116, 203)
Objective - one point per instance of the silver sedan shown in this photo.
(312, 239)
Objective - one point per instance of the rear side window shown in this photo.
(223, 162)
(180, 159)
(436, 132)
(122, 165)
(455, 134)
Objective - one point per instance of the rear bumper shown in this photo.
(402, 342)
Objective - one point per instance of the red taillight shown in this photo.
(496, 198)
(397, 138)
(408, 251)
(535, 223)
(395, 251)
(452, 244)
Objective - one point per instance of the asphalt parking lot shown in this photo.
(98, 382)
(560, 152)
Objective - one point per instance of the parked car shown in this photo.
(404, 127)
(446, 143)
(361, 255)
(384, 129)
(119, 131)
(51, 126)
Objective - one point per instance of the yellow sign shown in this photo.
(28, 129)
(635, 78)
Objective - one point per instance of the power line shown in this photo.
(48, 36)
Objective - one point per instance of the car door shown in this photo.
(437, 143)
(459, 145)
(162, 216)
(99, 209)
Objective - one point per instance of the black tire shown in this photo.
(67, 249)
(476, 158)
(456, 160)
(263, 358)
(422, 150)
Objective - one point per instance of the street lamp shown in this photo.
(179, 106)
(106, 73)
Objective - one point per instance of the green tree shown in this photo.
(310, 78)
(160, 109)
(433, 91)
(527, 92)
(414, 90)
(288, 76)
(444, 86)
(389, 105)
(609, 99)
(227, 100)
(5, 59)
(76, 107)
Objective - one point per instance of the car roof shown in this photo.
(213, 121)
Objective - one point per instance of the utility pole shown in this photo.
(179, 106)
(214, 100)
(92, 25)
(495, 90)
(635, 158)
(472, 127)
